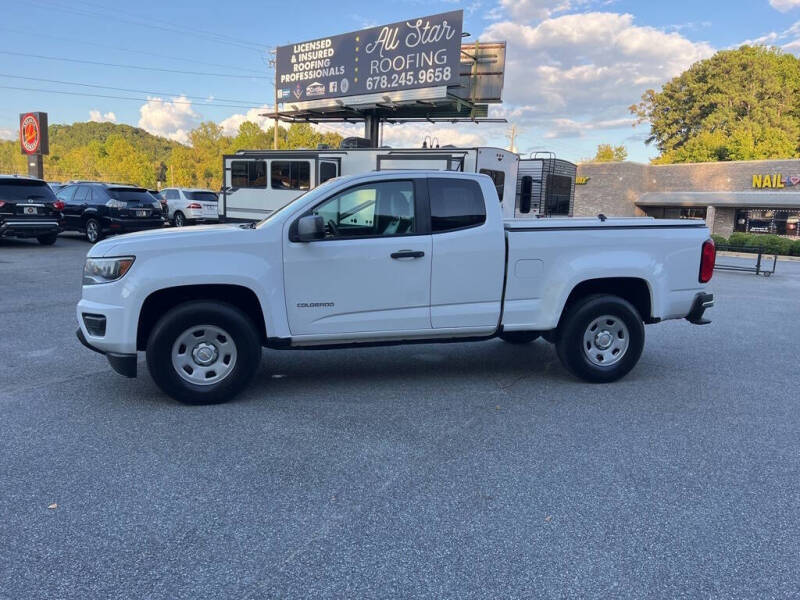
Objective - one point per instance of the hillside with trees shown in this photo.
(122, 153)
(739, 104)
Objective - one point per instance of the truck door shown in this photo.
(468, 254)
(372, 270)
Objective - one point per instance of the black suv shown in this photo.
(28, 208)
(98, 209)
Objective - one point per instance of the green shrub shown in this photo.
(719, 240)
(738, 239)
(796, 248)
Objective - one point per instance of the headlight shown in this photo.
(105, 270)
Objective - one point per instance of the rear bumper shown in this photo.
(124, 364)
(28, 228)
(117, 225)
(702, 302)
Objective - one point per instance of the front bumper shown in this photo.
(702, 302)
(124, 364)
(28, 228)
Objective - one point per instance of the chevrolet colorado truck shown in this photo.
(387, 257)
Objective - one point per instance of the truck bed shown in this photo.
(561, 223)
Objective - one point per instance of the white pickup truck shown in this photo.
(385, 258)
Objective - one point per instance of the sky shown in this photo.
(573, 66)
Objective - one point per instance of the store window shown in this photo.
(766, 220)
(670, 212)
(290, 175)
(249, 173)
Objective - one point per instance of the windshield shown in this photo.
(320, 190)
(202, 196)
(136, 195)
(16, 190)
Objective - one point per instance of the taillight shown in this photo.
(58, 205)
(2, 204)
(194, 205)
(708, 256)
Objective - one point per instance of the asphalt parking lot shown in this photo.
(452, 470)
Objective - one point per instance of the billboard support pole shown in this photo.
(36, 166)
(372, 126)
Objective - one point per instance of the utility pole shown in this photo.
(512, 136)
(274, 64)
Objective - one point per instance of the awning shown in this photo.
(749, 199)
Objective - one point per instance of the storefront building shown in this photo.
(747, 196)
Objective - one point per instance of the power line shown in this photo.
(215, 37)
(117, 48)
(105, 64)
(244, 103)
(26, 89)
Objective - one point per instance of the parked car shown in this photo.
(29, 209)
(98, 209)
(187, 206)
(160, 197)
(388, 257)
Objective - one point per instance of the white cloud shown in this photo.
(528, 10)
(784, 5)
(99, 117)
(230, 126)
(8, 134)
(563, 128)
(588, 66)
(171, 119)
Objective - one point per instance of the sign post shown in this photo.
(33, 141)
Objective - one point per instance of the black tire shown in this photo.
(519, 337)
(48, 239)
(574, 355)
(242, 331)
(94, 233)
(550, 336)
(178, 219)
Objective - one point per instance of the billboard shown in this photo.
(33, 133)
(418, 53)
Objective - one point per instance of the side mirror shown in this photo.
(310, 228)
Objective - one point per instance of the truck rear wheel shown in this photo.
(203, 352)
(518, 337)
(600, 338)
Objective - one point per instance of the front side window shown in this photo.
(499, 179)
(290, 175)
(249, 173)
(65, 194)
(372, 210)
(83, 195)
(172, 194)
(455, 204)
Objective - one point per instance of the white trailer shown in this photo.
(258, 182)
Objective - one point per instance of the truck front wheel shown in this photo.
(203, 352)
(600, 338)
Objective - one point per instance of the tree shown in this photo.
(739, 104)
(609, 153)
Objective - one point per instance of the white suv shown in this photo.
(188, 205)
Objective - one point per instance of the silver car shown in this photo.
(188, 205)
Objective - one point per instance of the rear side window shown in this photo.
(201, 196)
(455, 204)
(171, 194)
(249, 173)
(83, 195)
(20, 190)
(290, 175)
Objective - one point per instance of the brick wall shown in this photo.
(613, 188)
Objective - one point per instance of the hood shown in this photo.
(180, 238)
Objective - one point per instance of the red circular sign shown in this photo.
(29, 133)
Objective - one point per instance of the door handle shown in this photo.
(408, 254)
